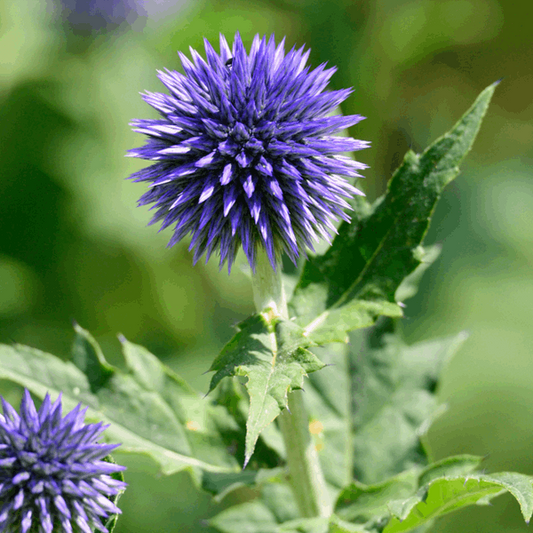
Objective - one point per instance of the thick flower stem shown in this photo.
(305, 473)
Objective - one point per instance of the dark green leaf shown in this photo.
(355, 281)
(272, 353)
(88, 357)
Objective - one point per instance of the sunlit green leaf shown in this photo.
(272, 353)
(456, 465)
(411, 500)
(444, 495)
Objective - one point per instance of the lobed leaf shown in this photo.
(272, 353)
(355, 281)
(393, 389)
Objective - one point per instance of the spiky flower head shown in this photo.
(52, 476)
(245, 152)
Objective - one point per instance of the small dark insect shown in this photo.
(229, 62)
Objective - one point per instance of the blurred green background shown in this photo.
(74, 246)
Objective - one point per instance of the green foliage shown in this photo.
(272, 353)
(409, 500)
(151, 410)
(355, 281)
(348, 288)
(369, 410)
(372, 406)
(119, 476)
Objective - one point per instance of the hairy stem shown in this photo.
(305, 473)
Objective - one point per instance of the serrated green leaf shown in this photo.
(411, 500)
(444, 495)
(272, 353)
(459, 465)
(355, 281)
(151, 411)
(269, 451)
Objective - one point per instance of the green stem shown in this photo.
(305, 473)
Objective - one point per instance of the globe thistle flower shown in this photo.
(245, 154)
(89, 17)
(52, 476)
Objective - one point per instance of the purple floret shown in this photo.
(52, 474)
(245, 152)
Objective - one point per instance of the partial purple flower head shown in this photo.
(52, 474)
(87, 17)
(245, 152)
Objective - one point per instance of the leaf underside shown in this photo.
(374, 403)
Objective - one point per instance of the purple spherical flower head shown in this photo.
(86, 17)
(52, 476)
(245, 152)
